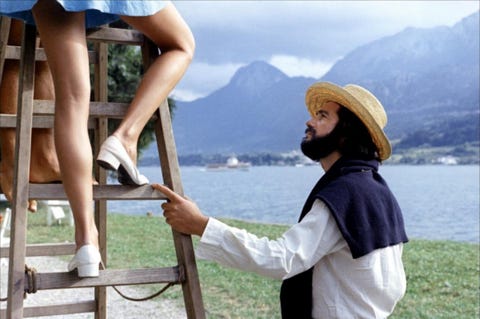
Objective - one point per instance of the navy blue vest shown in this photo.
(367, 215)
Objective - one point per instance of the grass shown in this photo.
(443, 277)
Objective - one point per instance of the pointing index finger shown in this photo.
(171, 195)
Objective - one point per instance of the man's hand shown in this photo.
(181, 213)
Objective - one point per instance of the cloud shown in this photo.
(244, 31)
(296, 66)
(298, 37)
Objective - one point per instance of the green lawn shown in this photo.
(443, 277)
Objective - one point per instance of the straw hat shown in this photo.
(358, 100)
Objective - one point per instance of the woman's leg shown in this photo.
(63, 37)
(173, 36)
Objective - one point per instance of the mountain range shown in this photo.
(427, 80)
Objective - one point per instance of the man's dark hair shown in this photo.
(355, 138)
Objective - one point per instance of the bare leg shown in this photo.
(172, 35)
(63, 37)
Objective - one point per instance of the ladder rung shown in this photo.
(53, 310)
(10, 121)
(4, 252)
(44, 110)
(42, 121)
(35, 250)
(115, 35)
(109, 277)
(97, 109)
(100, 192)
(12, 52)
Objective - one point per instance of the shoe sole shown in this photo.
(90, 270)
(123, 177)
(106, 165)
(109, 161)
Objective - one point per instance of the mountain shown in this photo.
(260, 109)
(422, 76)
(427, 80)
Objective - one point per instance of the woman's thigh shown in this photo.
(166, 28)
(63, 38)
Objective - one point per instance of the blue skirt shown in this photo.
(97, 12)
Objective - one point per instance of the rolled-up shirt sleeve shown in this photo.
(297, 250)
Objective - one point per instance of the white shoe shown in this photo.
(113, 156)
(86, 261)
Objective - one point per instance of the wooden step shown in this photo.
(12, 52)
(44, 110)
(35, 250)
(54, 310)
(103, 34)
(97, 109)
(100, 192)
(115, 35)
(108, 277)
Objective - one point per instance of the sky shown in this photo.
(301, 38)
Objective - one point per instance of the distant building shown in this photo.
(447, 160)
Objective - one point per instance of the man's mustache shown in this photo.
(310, 129)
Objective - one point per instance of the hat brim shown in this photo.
(320, 93)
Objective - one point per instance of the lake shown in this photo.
(438, 202)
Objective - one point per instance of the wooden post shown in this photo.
(18, 235)
(101, 133)
(192, 294)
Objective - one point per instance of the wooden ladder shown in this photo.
(39, 113)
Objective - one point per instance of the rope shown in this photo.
(158, 293)
(32, 281)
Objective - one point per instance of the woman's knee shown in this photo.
(167, 29)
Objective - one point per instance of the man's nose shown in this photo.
(309, 122)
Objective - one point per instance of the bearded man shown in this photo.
(343, 259)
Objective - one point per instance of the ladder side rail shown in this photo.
(101, 133)
(4, 32)
(171, 176)
(18, 234)
(183, 243)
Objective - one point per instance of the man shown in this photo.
(343, 259)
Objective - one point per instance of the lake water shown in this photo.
(438, 202)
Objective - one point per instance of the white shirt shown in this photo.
(343, 287)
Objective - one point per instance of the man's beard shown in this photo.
(320, 147)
